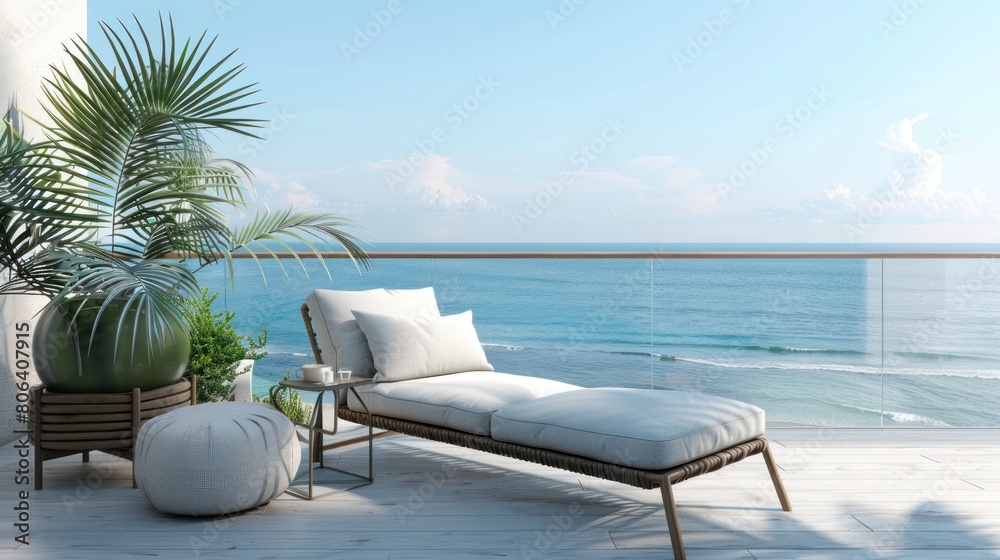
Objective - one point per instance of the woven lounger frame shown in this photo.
(664, 479)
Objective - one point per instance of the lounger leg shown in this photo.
(670, 508)
(773, 470)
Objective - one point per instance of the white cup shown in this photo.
(313, 373)
(329, 376)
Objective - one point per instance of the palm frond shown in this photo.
(283, 225)
(32, 212)
(124, 178)
(153, 288)
(132, 130)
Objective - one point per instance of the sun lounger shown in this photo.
(644, 438)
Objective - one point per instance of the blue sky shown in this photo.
(638, 121)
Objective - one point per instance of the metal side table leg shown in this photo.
(315, 441)
(371, 463)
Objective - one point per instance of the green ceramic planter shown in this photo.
(65, 364)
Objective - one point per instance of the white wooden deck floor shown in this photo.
(856, 494)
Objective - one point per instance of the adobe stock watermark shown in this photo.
(85, 486)
(366, 33)
(31, 26)
(628, 287)
(795, 458)
(698, 43)
(962, 294)
(417, 497)
(563, 11)
(22, 478)
(889, 541)
(580, 160)
(95, 479)
(455, 116)
(752, 321)
(278, 123)
(888, 192)
(225, 7)
(449, 291)
(212, 529)
(900, 16)
(787, 126)
(20, 337)
(553, 532)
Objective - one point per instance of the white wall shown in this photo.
(32, 33)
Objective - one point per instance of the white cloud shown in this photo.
(654, 162)
(429, 184)
(351, 209)
(913, 190)
(676, 189)
(696, 200)
(838, 192)
(434, 185)
(655, 168)
(680, 177)
(293, 194)
(605, 181)
(899, 135)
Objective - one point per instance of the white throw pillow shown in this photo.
(408, 348)
(342, 343)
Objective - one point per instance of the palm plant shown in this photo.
(217, 350)
(123, 200)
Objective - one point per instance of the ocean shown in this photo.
(815, 342)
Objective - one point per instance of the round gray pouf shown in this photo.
(216, 458)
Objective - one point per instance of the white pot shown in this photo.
(243, 384)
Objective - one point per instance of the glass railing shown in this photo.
(819, 339)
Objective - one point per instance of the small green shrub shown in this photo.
(216, 348)
(289, 402)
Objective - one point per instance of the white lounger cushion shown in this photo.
(461, 401)
(639, 428)
(341, 341)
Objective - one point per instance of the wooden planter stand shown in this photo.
(62, 424)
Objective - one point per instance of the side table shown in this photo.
(317, 431)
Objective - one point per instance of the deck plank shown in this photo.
(856, 493)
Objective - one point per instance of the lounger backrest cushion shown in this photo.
(414, 347)
(340, 339)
